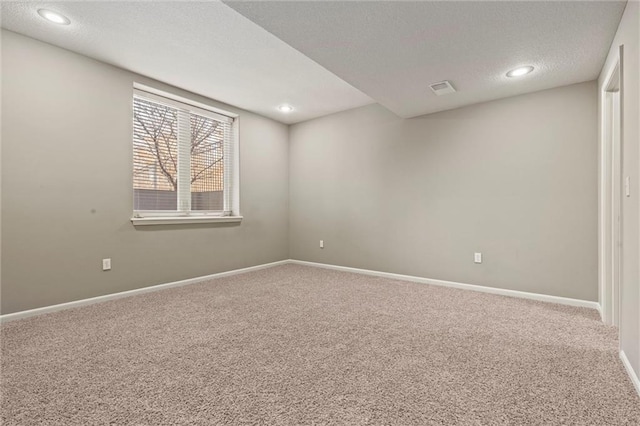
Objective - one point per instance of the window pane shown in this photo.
(155, 156)
(207, 166)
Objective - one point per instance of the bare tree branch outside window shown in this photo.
(155, 143)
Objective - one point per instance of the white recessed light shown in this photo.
(54, 17)
(285, 108)
(519, 72)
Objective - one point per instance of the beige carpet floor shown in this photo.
(297, 345)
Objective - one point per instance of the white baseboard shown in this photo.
(106, 297)
(492, 290)
(499, 291)
(632, 374)
(599, 308)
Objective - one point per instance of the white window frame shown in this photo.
(231, 194)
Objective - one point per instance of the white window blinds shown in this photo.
(182, 158)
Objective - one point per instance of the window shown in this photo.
(183, 160)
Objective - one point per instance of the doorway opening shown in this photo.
(611, 199)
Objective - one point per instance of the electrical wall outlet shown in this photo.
(322, 244)
(106, 264)
(477, 257)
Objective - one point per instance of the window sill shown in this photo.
(183, 220)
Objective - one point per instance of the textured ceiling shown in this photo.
(392, 51)
(327, 56)
(204, 47)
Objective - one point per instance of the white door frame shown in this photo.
(610, 200)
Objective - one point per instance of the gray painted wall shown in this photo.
(629, 35)
(66, 133)
(515, 179)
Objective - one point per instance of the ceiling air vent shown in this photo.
(442, 88)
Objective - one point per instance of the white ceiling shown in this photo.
(324, 57)
(392, 50)
(203, 47)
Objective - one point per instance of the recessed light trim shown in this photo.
(520, 71)
(54, 17)
(285, 108)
